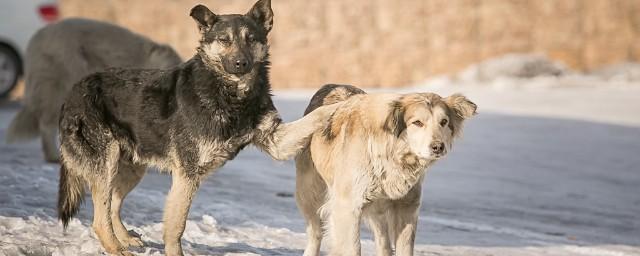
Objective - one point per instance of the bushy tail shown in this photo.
(23, 127)
(331, 93)
(70, 195)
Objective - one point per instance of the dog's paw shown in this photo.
(125, 253)
(119, 252)
(132, 241)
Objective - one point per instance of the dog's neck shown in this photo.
(204, 93)
(402, 170)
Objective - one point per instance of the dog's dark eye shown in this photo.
(417, 123)
(224, 39)
(444, 122)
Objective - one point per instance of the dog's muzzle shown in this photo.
(239, 65)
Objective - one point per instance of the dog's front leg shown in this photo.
(404, 221)
(380, 229)
(344, 226)
(183, 188)
(284, 140)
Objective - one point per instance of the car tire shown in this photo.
(9, 70)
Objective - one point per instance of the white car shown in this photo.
(19, 20)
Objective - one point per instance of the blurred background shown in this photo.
(381, 43)
(548, 167)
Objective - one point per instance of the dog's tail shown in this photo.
(332, 93)
(70, 195)
(23, 127)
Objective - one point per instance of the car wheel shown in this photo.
(9, 70)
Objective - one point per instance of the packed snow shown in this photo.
(550, 166)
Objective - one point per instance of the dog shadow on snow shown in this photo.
(202, 249)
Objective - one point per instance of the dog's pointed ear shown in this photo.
(461, 109)
(203, 16)
(395, 119)
(262, 14)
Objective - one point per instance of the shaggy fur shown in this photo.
(59, 55)
(369, 162)
(189, 120)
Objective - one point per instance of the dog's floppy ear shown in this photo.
(395, 119)
(262, 14)
(461, 109)
(203, 16)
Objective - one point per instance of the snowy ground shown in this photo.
(541, 171)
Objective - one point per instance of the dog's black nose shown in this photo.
(241, 65)
(237, 65)
(437, 147)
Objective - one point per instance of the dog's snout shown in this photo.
(437, 147)
(238, 64)
(241, 65)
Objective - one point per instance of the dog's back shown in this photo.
(332, 93)
(61, 54)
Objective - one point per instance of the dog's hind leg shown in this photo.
(48, 125)
(127, 177)
(183, 189)
(101, 192)
(310, 196)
